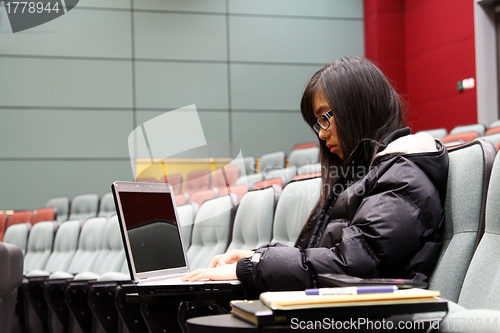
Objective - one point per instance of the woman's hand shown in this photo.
(229, 257)
(223, 272)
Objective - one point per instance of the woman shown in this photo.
(380, 212)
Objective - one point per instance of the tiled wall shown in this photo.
(72, 90)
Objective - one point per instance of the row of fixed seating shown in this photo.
(59, 256)
(60, 209)
(468, 133)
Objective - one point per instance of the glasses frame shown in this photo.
(326, 116)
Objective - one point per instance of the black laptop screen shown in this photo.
(152, 229)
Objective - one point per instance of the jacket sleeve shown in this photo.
(384, 233)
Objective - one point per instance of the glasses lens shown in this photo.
(323, 122)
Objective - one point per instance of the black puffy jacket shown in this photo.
(388, 222)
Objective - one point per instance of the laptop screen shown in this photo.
(155, 240)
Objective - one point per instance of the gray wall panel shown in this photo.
(318, 8)
(108, 35)
(65, 83)
(265, 132)
(270, 39)
(174, 85)
(65, 134)
(212, 6)
(215, 124)
(29, 184)
(174, 36)
(269, 87)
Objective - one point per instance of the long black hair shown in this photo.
(364, 106)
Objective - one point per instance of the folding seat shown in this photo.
(84, 206)
(107, 206)
(200, 197)
(3, 225)
(225, 176)
(305, 145)
(64, 249)
(181, 199)
(253, 223)
(478, 128)
(212, 230)
(89, 246)
(294, 206)
(19, 217)
(266, 183)
(463, 137)
(479, 292)
(175, 180)
(110, 259)
(437, 133)
(44, 214)
(245, 164)
(493, 130)
(493, 138)
(197, 181)
(285, 174)
(39, 247)
(11, 276)
(468, 178)
(17, 234)
(186, 215)
(272, 161)
(250, 180)
(239, 190)
(300, 157)
(62, 207)
(309, 168)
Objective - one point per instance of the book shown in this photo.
(290, 300)
(258, 314)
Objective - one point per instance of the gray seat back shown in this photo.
(468, 175)
(294, 206)
(11, 276)
(40, 243)
(186, 215)
(17, 234)
(300, 157)
(481, 285)
(285, 174)
(253, 223)
(437, 133)
(309, 168)
(478, 128)
(212, 230)
(65, 245)
(89, 245)
(61, 205)
(107, 205)
(84, 206)
(112, 254)
(272, 161)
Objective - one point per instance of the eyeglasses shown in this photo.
(323, 122)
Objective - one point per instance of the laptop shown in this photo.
(151, 234)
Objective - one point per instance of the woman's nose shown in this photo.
(323, 134)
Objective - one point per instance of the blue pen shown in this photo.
(352, 290)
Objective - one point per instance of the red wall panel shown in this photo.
(434, 48)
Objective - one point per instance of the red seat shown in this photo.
(44, 214)
(175, 180)
(267, 183)
(200, 196)
(305, 145)
(180, 199)
(197, 181)
(3, 225)
(492, 130)
(465, 137)
(20, 217)
(239, 190)
(231, 173)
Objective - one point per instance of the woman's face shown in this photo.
(330, 136)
